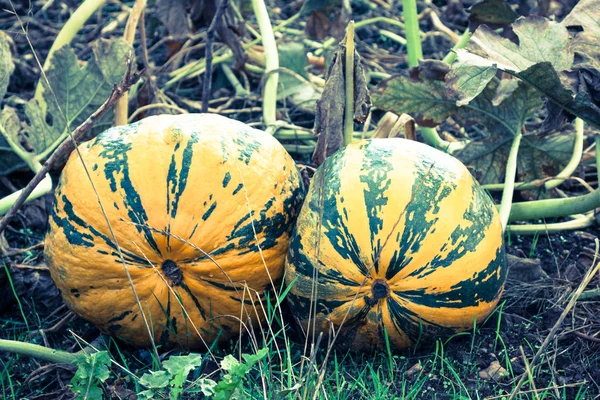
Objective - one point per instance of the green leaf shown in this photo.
(179, 367)
(79, 90)
(207, 386)
(540, 40)
(7, 65)
(156, 379)
(229, 385)
(92, 370)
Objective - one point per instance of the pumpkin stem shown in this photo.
(380, 289)
(172, 271)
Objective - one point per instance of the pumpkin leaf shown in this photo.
(425, 100)
(7, 65)
(584, 78)
(539, 156)
(9, 160)
(492, 12)
(9, 120)
(543, 58)
(429, 103)
(329, 118)
(540, 41)
(77, 91)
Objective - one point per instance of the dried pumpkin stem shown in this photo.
(349, 85)
(122, 105)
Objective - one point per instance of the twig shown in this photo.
(587, 337)
(529, 373)
(210, 37)
(68, 145)
(435, 20)
(586, 280)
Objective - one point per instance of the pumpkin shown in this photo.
(197, 209)
(394, 238)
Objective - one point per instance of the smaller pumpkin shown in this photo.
(200, 209)
(394, 236)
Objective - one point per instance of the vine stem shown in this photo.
(552, 208)
(349, 84)
(37, 351)
(272, 63)
(509, 181)
(65, 36)
(415, 52)
(562, 175)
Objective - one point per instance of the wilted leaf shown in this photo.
(313, 5)
(492, 12)
(173, 15)
(79, 90)
(329, 118)
(36, 286)
(494, 372)
(585, 14)
(543, 58)
(525, 269)
(585, 75)
(292, 56)
(6, 64)
(429, 103)
(426, 101)
(327, 18)
(392, 126)
(540, 41)
(505, 90)
(9, 161)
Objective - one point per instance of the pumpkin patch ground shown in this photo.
(436, 190)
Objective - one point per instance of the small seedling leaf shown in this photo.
(155, 379)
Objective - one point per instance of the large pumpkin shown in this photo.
(200, 209)
(396, 236)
